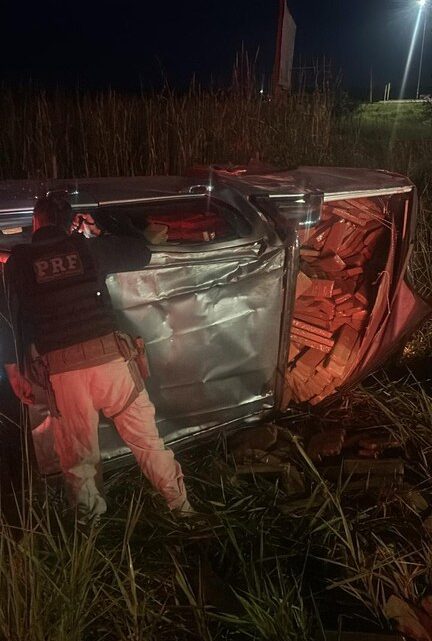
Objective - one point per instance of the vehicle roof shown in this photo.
(338, 181)
(335, 182)
(20, 195)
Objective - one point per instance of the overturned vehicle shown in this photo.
(264, 289)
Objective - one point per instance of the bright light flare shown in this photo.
(411, 51)
(420, 14)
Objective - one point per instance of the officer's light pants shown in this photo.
(80, 395)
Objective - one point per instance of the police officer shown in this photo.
(60, 303)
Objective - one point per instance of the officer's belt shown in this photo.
(90, 353)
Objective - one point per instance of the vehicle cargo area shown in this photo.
(347, 267)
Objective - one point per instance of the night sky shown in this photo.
(132, 44)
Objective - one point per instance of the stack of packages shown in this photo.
(334, 297)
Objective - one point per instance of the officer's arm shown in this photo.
(120, 253)
(8, 353)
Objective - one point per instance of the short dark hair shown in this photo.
(53, 208)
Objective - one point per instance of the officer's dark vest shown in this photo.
(63, 296)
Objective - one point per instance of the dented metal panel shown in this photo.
(212, 333)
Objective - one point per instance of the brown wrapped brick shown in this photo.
(317, 321)
(345, 314)
(321, 381)
(324, 394)
(310, 360)
(321, 288)
(304, 302)
(338, 322)
(301, 348)
(294, 351)
(314, 387)
(344, 345)
(332, 264)
(311, 305)
(346, 215)
(348, 286)
(321, 340)
(309, 270)
(306, 252)
(311, 343)
(355, 246)
(358, 260)
(352, 232)
(326, 306)
(313, 315)
(317, 242)
(298, 324)
(361, 296)
(335, 238)
(352, 271)
(324, 374)
(373, 224)
(371, 239)
(300, 374)
(342, 298)
(336, 369)
(346, 308)
(366, 208)
(303, 284)
(356, 324)
(360, 315)
(299, 388)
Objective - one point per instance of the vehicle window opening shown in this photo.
(343, 286)
(189, 221)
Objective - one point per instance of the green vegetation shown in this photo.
(404, 120)
(258, 565)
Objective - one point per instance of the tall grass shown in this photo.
(75, 134)
(112, 134)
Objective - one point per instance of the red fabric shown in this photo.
(192, 227)
(408, 312)
(390, 321)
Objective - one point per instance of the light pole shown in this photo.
(423, 7)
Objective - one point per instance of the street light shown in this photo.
(423, 7)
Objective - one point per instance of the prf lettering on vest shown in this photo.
(57, 267)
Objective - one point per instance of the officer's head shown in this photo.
(53, 209)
